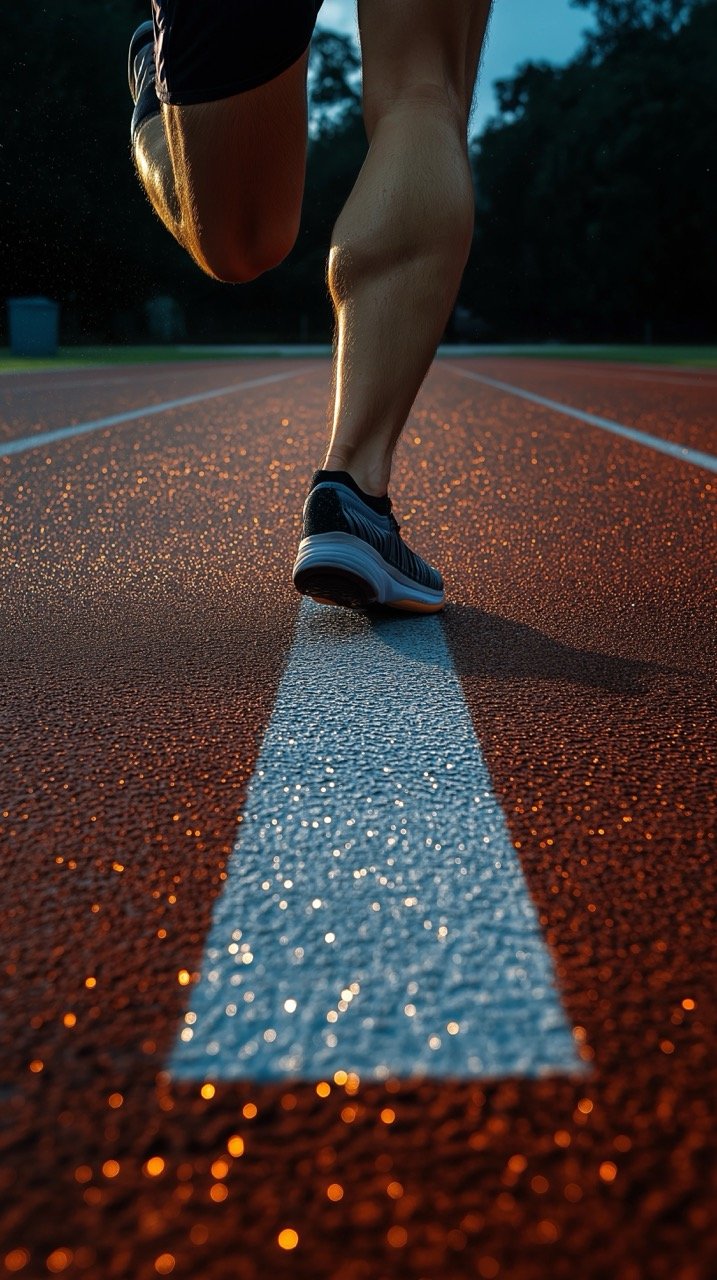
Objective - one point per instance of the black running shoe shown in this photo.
(141, 76)
(352, 553)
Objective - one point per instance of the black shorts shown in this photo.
(209, 49)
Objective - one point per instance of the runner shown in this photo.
(219, 137)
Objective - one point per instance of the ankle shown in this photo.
(371, 476)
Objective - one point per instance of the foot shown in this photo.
(352, 553)
(141, 76)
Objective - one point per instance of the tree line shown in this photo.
(595, 188)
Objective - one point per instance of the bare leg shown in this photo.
(227, 177)
(401, 242)
(151, 156)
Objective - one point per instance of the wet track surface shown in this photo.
(147, 619)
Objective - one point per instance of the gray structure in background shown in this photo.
(165, 319)
(33, 325)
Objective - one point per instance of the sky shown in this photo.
(519, 29)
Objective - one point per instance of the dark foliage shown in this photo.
(616, 19)
(596, 185)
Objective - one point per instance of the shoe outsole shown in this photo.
(334, 586)
(340, 569)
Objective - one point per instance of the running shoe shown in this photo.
(141, 76)
(352, 552)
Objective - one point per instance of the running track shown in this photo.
(147, 622)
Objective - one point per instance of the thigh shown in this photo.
(232, 77)
(239, 163)
(420, 48)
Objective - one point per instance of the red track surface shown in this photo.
(146, 611)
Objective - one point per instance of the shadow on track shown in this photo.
(486, 644)
(490, 646)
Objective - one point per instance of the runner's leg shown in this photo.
(151, 157)
(401, 242)
(227, 177)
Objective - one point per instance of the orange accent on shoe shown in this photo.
(414, 606)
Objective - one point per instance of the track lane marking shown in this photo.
(679, 451)
(76, 382)
(132, 376)
(375, 917)
(9, 447)
(618, 375)
(667, 381)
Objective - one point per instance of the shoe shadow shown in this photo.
(488, 646)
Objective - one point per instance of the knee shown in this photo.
(437, 96)
(239, 255)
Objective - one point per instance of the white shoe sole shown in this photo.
(341, 569)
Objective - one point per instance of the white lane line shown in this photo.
(375, 917)
(671, 381)
(673, 450)
(66, 385)
(115, 419)
(616, 373)
(666, 381)
(700, 372)
(133, 376)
